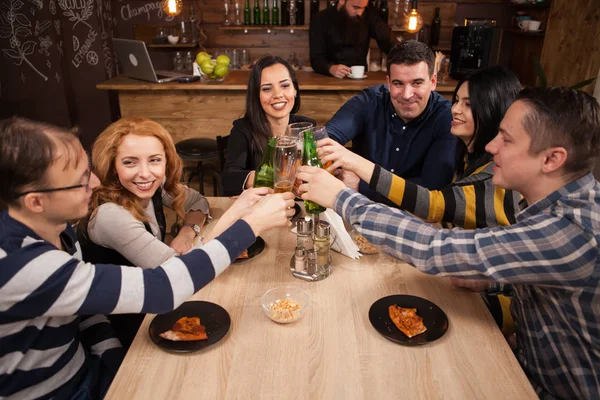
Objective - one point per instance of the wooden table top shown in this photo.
(333, 352)
(238, 80)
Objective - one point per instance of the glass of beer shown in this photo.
(320, 132)
(286, 155)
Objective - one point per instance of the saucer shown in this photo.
(352, 77)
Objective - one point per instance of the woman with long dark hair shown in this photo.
(272, 100)
(479, 103)
(472, 201)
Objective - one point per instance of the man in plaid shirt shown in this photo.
(546, 148)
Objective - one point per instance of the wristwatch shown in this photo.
(196, 229)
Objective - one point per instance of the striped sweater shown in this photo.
(46, 343)
(471, 202)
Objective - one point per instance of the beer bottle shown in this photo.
(266, 13)
(310, 158)
(435, 28)
(256, 13)
(299, 12)
(285, 13)
(275, 14)
(264, 173)
(247, 14)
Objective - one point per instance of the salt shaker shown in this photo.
(304, 234)
(322, 243)
(300, 260)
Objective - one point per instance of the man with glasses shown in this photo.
(52, 342)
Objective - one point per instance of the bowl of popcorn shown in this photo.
(285, 304)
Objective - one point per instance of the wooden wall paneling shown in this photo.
(571, 50)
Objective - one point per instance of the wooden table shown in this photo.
(189, 110)
(333, 352)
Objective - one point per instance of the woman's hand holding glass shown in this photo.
(330, 151)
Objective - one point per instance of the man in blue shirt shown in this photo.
(548, 143)
(403, 126)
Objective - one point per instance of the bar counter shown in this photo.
(208, 109)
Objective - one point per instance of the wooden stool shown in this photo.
(201, 151)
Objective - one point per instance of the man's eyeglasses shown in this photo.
(86, 179)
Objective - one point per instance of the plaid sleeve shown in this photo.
(544, 249)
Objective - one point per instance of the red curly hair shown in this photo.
(104, 154)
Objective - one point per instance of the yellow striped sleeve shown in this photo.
(437, 205)
(501, 217)
(397, 190)
(470, 205)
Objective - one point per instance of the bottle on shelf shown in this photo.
(373, 4)
(264, 173)
(285, 12)
(275, 13)
(384, 10)
(299, 12)
(435, 28)
(314, 8)
(293, 11)
(311, 158)
(256, 20)
(331, 3)
(266, 13)
(247, 13)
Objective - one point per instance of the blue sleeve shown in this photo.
(438, 165)
(350, 120)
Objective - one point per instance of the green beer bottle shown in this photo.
(264, 173)
(275, 13)
(310, 158)
(266, 13)
(247, 13)
(256, 13)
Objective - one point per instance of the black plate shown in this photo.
(434, 319)
(214, 317)
(255, 249)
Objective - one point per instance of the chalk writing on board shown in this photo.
(77, 10)
(128, 12)
(38, 3)
(82, 52)
(52, 7)
(13, 25)
(75, 43)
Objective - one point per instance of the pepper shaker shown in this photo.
(322, 244)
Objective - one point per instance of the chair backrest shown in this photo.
(222, 146)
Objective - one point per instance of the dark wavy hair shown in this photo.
(491, 91)
(261, 129)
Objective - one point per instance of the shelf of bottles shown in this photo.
(275, 15)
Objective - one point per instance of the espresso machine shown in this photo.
(475, 45)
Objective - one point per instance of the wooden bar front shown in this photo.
(190, 110)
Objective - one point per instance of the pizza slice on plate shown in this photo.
(243, 256)
(407, 320)
(186, 329)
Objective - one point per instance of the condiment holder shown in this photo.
(312, 259)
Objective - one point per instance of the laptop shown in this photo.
(136, 62)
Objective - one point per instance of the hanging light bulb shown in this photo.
(172, 7)
(413, 22)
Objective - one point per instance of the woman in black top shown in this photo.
(272, 100)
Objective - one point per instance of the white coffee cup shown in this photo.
(534, 25)
(358, 71)
(524, 25)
